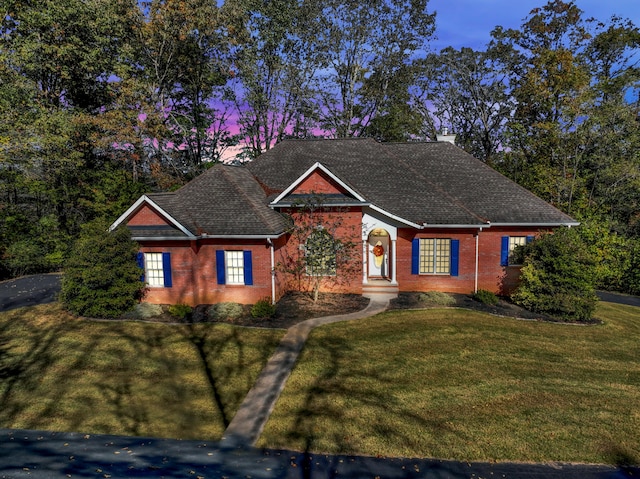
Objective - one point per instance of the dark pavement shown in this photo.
(38, 454)
(29, 291)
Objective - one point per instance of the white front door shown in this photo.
(378, 254)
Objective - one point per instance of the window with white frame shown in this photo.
(435, 256)
(234, 262)
(514, 242)
(154, 271)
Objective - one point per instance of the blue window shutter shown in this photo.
(455, 256)
(530, 238)
(248, 268)
(415, 256)
(220, 269)
(140, 261)
(166, 269)
(504, 251)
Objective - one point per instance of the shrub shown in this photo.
(437, 298)
(263, 309)
(558, 277)
(180, 311)
(485, 297)
(223, 311)
(101, 276)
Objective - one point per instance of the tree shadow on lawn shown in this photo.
(325, 402)
(63, 373)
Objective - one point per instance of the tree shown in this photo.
(181, 62)
(364, 42)
(276, 58)
(558, 277)
(102, 278)
(573, 136)
(325, 252)
(468, 92)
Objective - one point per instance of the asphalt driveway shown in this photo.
(29, 291)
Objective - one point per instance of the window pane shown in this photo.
(153, 269)
(443, 253)
(435, 256)
(427, 249)
(514, 242)
(234, 261)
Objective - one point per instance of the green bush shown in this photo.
(437, 298)
(485, 297)
(101, 276)
(263, 309)
(224, 311)
(180, 311)
(558, 277)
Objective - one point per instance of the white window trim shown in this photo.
(154, 270)
(234, 267)
(434, 257)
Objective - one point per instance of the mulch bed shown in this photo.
(295, 307)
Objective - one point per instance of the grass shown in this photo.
(466, 385)
(178, 381)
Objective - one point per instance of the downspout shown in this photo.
(475, 286)
(273, 270)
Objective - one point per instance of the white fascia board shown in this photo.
(473, 226)
(234, 237)
(306, 174)
(395, 217)
(145, 199)
(267, 237)
(539, 225)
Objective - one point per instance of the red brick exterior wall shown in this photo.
(348, 226)
(194, 276)
(146, 216)
(318, 182)
(492, 276)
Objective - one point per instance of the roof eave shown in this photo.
(539, 225)
(205, 236)
(145, 199)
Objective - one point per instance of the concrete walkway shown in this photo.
(246, 426)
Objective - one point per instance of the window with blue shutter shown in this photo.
(455, 257)
(435, 256)
(415, 256)
(234, 267)
(504, 251)
(140, 261)
(166, 267)
(156, 269)
(248, 268)
(220, 268)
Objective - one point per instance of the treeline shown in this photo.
(102, 100)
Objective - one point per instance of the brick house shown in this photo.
(426, 217)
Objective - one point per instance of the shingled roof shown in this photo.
(433, 183)
(224, 201)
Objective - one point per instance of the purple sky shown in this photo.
(468, 23)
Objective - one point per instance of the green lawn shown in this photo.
(465, 385)
(178, 381)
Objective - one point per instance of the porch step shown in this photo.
(381, 290)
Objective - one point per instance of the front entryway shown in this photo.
(378, 254)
